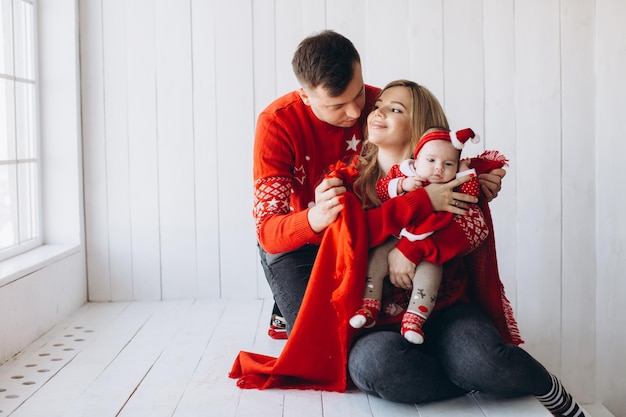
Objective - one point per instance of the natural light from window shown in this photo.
(19, 161)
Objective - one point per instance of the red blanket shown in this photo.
(315, 355)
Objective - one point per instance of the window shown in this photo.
(20, 225)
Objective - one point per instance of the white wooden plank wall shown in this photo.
(577, 34)
(610, 202)
(143, 185)
(171, 91)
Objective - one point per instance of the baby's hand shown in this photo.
(411, 183)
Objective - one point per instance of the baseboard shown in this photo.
(596, 410)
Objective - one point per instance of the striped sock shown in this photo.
(559, 402)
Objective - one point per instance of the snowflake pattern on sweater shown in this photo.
(474, 227)
(271, 196)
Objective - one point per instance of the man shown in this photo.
(298, 137)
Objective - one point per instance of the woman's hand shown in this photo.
(444, 198)
(328, 204)
(401, 270)
(491, 183)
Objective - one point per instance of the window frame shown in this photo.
(32, 190)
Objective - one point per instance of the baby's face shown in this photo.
(437, 162)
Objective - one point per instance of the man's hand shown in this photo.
(328, 204)
(491, 183)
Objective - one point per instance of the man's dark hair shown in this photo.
(325, 59)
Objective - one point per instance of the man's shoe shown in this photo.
(278, 328)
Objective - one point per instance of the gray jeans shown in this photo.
(462, 352)
(288, 274)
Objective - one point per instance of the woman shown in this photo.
(471, 342)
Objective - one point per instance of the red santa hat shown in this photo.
(458, 141)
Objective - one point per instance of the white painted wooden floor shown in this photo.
(172, 359)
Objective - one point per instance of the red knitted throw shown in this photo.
(484, 285)
(316, 353)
